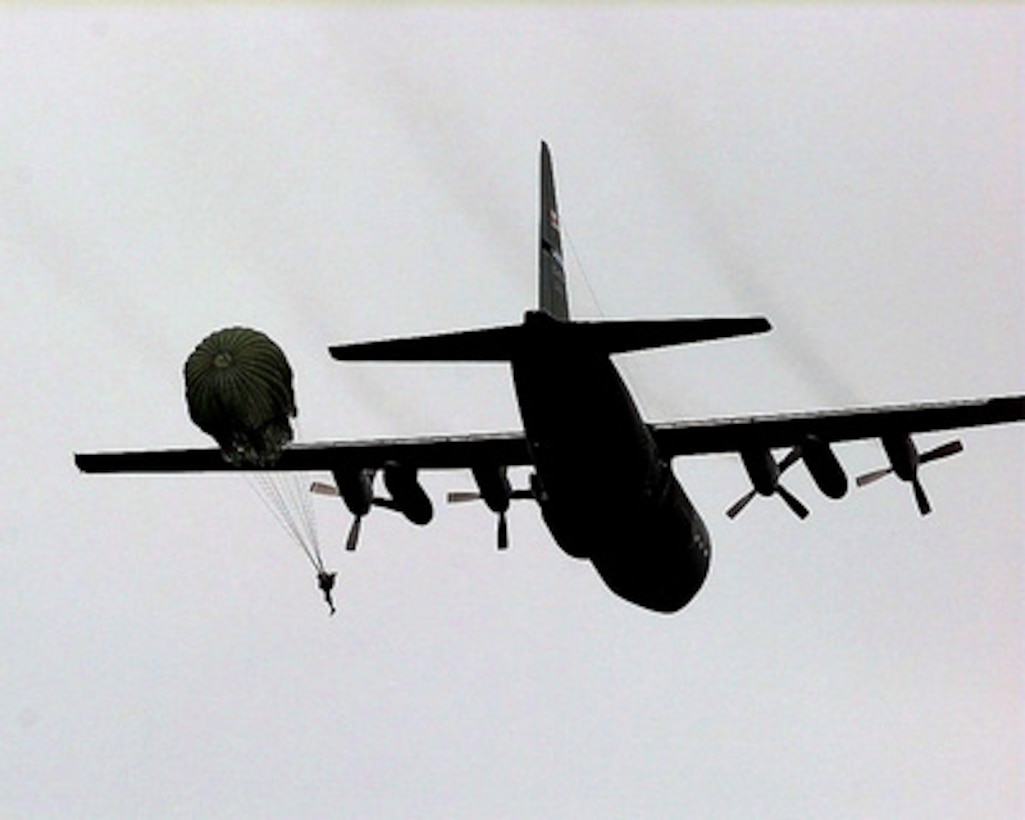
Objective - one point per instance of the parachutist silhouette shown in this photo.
(326, 582)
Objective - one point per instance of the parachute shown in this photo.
(238, 387)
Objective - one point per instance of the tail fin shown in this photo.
(550, 324)
(552, 297)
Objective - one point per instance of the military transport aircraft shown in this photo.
(601, 474)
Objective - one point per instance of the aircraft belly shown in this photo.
(577, 409)
(590, 449)
(606, 494)
(661, 559)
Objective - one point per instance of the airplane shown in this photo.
(601, 475)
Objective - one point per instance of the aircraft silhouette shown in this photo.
(601, 474)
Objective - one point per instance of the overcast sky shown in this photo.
(338, 174)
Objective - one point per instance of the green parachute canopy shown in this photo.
(238, 387)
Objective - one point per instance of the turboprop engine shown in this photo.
(904, 463)
(356, 488)
(764, 472)
(494, 489)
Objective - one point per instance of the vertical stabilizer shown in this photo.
(550, 323)
(552, 297)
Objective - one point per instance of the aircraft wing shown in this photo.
(678, 438)
(437, 452)
(705, 436)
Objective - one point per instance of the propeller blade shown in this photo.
(320, 488)
(458, 496)
(789, 460)
(742, 502)
(503, 532)
(920, 497)
(791, 501)
(944, 450)
(875, 475)
(350, 542)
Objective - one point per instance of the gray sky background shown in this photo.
(334, 174)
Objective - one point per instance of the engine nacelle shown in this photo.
(356, 487)
(407, 496)
(823, 466)
(762, 469)
(903, 455)
(494, 487)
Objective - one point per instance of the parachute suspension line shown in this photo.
(260, 485)
(274, 491)
(297, 486)
(300, 486)
(238, 388)
(270, 493)
(583, 273)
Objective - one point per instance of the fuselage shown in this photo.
(604, 490)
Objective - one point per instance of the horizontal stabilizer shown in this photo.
(493, 344)
(624, 336)
(542, 332)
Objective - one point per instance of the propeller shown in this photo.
(788, 497)
(791, 501)
(502, 534)
(320, 488)
(503, 531)
(460, 496)
(921, 499)
(353, 536)
(909, 472)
